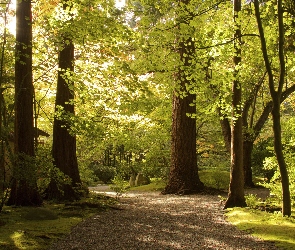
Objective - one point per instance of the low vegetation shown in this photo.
(264, 225)
(37, 227)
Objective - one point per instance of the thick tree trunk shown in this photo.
(226, 131)
(24, 190)
(184, 178)
(236, 196)
(64, 143)
(247, 163)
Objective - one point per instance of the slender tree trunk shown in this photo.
(276, 95)
(24, 190)
(286, 209)
(64, 143)
(236, 187)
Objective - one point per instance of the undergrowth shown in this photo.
(37, 227)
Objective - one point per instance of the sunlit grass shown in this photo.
(156, 184)
(267, 226)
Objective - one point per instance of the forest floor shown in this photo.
(149, 220)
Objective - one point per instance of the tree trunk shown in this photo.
(247, 162)
(286, 208)
(64, 143)
(184, 178)
(24, 190)
(277, 96)
(236, 196)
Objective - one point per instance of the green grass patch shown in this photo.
(211, 178)
(267, 226)
(155, 185)
(37, 227)
(215, 178)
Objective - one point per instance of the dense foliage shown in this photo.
(125, 76)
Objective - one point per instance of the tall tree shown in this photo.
(236, 186)
(24, 188)
(64, 142)
(184, 176)
(251, 130)
(276, 95)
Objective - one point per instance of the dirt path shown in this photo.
(154, 221)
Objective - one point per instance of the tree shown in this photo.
(236, 187)
(184, 176)
(24, 188)
(64, 142)
(276, 95)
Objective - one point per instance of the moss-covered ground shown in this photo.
(267, 226)
(37, 227)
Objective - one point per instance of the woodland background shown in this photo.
(157, 87)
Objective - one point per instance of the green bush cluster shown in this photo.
(103, 173)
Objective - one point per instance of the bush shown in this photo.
(260, 152)
(103, 173)
(215, 178)
(120, 186)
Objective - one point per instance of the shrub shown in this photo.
(103, 173)
(259, 153)
(120, 186)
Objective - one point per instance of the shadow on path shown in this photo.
(154, 221)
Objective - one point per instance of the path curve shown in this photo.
(154, 221)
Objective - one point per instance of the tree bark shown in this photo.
(24, 190)
(64, 143)
(247, 162)
(236, 196)
(184, 178)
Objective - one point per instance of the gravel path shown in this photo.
(154, 221)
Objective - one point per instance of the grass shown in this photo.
(270, 227)
(37, 227)
(215, 178)
(155, 185)
(211, 178)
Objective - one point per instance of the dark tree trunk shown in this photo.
(184, 178)
(247, 162)
(226, 131)
(236, 196)
(286, 209)
(64, 143)
(24, 190)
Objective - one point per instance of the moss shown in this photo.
(39, 213)
(36, 228)
(270, 227)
